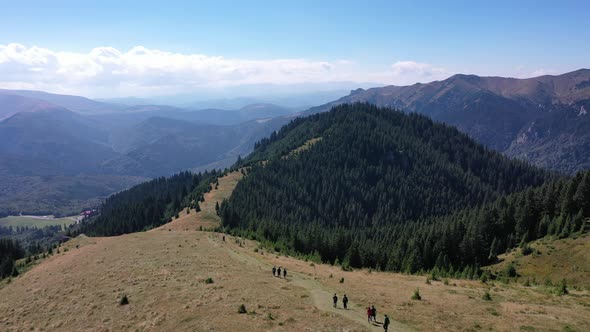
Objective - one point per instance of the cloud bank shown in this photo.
(140, 71)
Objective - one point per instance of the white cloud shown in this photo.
(140, 71)
(541, 72)
(402, 68)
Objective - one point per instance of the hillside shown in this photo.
(163, 273)
(542, 120)
(367, 191)
(57, 161)
(551, 260)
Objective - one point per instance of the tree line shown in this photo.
(148, 205)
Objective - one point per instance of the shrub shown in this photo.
(562, 288)
(416, 295)
(434, 275)
(341, 280)
(510, 271)
(124, 300)
(526, 250)
(209, 280)
(446, 282)
(486, 296)
(485, 276)
(428, 280)
(242, 309)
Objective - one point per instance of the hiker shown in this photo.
(274, 269)
(285, 273)
(224, 238)
(385, 323)
(374, 313)
(335, 298)
(369, 314)
(279, 274)
(345, 302)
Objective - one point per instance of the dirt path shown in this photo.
(322, 297)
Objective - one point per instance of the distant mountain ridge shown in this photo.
(543, 120)
(54, 160)
(73, 103)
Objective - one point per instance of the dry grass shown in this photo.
(553, 260)
(164, 273)
(207, 218)
(307, 145)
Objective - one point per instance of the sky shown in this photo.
(137, 48)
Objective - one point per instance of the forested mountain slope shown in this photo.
(372, 175)
(543, 119)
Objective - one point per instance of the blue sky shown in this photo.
(361, 39)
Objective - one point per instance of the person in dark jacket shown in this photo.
(335, 299)
(279, 272)
(345, 301)
(386, 323)
(274, 270)
(374, 313)
(285, 273)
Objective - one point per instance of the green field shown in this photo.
(34, 221)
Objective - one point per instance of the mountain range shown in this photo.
(63, 153)
(543, 120)
(58, 149)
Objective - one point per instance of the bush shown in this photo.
(562, 288)
(346, 267)
(124, 300)
(242, 309)
(510, 271)
(446, 282)
(341, 280)
(209, 280)
(428, 280)
(416, 295)
(486, 296)
(526, 250)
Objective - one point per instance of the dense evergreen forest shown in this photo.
(10, 251)
(149, 204)
(394, 191)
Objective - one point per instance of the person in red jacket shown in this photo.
(369, 314)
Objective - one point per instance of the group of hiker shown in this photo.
(371, 311)
(277, 272)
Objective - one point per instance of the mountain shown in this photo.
(13, 104)
(161, 146)
(56, 161)
(73, 103)
(55, 138)
(543, 120)
(50, 162)
(350, 184)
